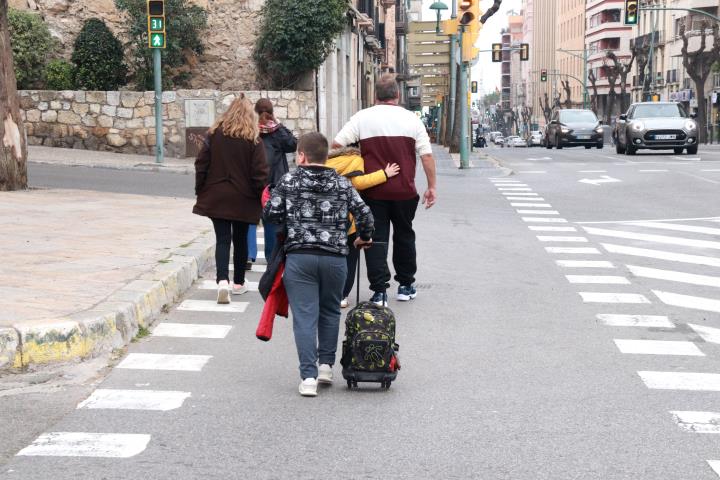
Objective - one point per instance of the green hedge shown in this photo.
(31, 45)
(98, 58)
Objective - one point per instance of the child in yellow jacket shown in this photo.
(349, 163)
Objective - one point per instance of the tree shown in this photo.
(31, 44)
(184, 25)
(455, 134)
(98, 58)
(295, 38)
(566, 87)
(698, 65)
(593, 85)
(13, 150)
(623, 69)
(547, 110)
(612, 77)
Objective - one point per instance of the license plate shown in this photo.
(665, 137)
(583, 137)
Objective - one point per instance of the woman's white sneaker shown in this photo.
(239, 289)
(325, 374)
(223, 294)
(308, 387)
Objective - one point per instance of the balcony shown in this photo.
(646, 39)
(401, 19)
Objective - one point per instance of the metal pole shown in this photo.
(464, 161)
(438, 119)
(157, 67)
(585, 76)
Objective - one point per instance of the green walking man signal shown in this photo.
(631, 12)
(543, 75)
(497, 52)
(157, 37)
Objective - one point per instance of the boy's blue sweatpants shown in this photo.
(314, 284)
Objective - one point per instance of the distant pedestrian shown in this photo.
(278, 141)
(388, 134)
(230, 174)
(314, 202)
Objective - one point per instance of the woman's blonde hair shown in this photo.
(240, 121)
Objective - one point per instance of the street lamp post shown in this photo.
(438, 7)
(584, 58)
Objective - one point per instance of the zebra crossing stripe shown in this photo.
(680, 277)
(520, 194)
(645, 321)
(709, 334)
(598, 279)
(584, 264)
(186, 330)
(702, 382)
(212, 306)
(515, 189)
(526, 199)
(688, 301)
(156, 361)
(662, 255)
(535, 228)
(78, 444)
(573, 250)
(678, 228)
(597, 297)
(687, 242)
(697, 422)
(556, 238)
(544, 220)
(658, 347)
(134, 400)
(715, 465)
(539, 212)
(536, 205)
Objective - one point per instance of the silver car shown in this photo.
(656, 126)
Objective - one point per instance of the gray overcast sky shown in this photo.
(486, 72)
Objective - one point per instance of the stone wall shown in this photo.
(125, 121)
(229, 39)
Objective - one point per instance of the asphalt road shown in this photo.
(517, 363)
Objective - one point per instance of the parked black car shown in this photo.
(572, 128)
(656, 126)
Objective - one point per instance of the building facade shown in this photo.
(570, 45)
(543, 56)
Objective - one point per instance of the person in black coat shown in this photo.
(278, 142)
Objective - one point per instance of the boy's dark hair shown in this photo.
(315, 147)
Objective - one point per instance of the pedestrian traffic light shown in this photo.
(524, 52)
(469, 10)
(631, 12)
(474, 86)
(543, 75)
(157, 37)
(497, 52)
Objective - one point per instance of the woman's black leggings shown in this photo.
(225, 232)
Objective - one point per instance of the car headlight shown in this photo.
(638, 126)
(599, 130)
(690, 125)
(565, 130)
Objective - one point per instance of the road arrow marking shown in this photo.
(598, 181)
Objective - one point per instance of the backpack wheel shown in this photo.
(349, 383)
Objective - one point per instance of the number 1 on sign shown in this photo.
(157, 24)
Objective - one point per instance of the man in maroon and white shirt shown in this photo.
(389, 134)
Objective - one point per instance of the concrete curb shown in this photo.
(112, 323)
(507, 171)
(144, 167)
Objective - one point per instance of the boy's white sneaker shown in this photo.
(308, 387)
(223, 293)
(239, 289)
(325, 374)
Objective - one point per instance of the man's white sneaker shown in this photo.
(239, 289)
(223, 296)
(308, 387)
(344, 303)
(325, 374)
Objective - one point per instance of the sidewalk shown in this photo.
(82, 271)
(118, 161)
(480, 162)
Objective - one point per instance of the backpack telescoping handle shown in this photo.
(357, 283)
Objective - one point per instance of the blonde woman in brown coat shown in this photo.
(230, 174)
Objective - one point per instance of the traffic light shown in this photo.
(469, 10)
(631, 12)
(474, 86)
(497, 52)
(543, 75)
(157, 37)
(524, 52)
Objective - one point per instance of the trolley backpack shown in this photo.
(369, 351)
